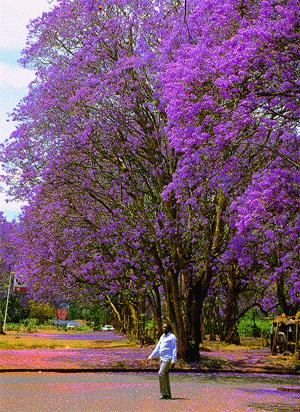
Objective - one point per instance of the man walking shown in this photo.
(166, 349)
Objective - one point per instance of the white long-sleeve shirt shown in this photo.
(166, 348)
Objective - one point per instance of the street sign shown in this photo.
(20, 285)
(62, 312)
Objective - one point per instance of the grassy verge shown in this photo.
(246, 343)
(13, 341)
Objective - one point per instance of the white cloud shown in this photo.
(14, 17)
(13, 86)
(14, 77)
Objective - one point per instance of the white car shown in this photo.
(108, 327)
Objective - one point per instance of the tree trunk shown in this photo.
(232, 335)
(155, 301)
(120, 318)
(174, 314)
(280, 291)
(229, 332)
(211, 319)
(190, 317)
(1, 328)
(135, 320)
(200, 290)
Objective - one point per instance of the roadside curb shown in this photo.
(252, 371)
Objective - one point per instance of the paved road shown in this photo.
(132, 392)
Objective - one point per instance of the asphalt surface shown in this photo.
(138, 392)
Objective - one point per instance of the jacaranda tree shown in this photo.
(232, 104)
(142, 147)
(8, 258)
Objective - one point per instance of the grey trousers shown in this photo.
(164, 381)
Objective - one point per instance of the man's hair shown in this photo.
(168, 326)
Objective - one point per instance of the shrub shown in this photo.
(253, 328)
(40, 311)
(17, 327)
(31, 324)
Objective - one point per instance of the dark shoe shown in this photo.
(165, 397)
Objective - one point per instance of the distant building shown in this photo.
(62, 311)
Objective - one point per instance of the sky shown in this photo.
(14, 80)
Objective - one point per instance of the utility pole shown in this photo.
(7, 300)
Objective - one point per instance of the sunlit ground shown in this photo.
(132, 392)
(73, 349)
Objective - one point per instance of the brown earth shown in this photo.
(214, 356)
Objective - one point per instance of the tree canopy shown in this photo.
(158, 151)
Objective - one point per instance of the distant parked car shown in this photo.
(108, 327)
(68, 324)
(60, 322)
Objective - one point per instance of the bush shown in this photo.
(31, 324)
(40, 311)
(83, 328)
(248, 327)
(28, 325)
(17, 327)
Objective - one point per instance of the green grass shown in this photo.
(13, 341)
(246, 343)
